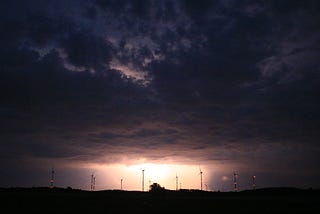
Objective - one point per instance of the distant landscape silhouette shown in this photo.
(68, 200)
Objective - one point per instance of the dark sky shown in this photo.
(216, 83)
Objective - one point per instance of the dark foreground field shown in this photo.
(57, 200)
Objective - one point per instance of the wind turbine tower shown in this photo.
(200, 178)
(253, 182)
(235, 175)
(143, 180)
(121, 183)
(176, 182)
(52, 178)
(93, 182)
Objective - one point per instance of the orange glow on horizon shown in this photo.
(110, 176)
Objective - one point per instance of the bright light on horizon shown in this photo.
(109, 176)
(152, 171)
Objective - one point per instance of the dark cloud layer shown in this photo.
(97, 81)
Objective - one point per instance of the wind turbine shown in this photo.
(200, 178)
(176, 182)
(93, 182)
(52, 177)
(253, 182)
(143, 180)
(235, 183)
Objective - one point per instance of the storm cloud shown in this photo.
(205, 81)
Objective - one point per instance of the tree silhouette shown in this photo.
(155, 187)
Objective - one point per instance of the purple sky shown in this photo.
(228, 85)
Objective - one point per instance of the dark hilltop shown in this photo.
(68, 200)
